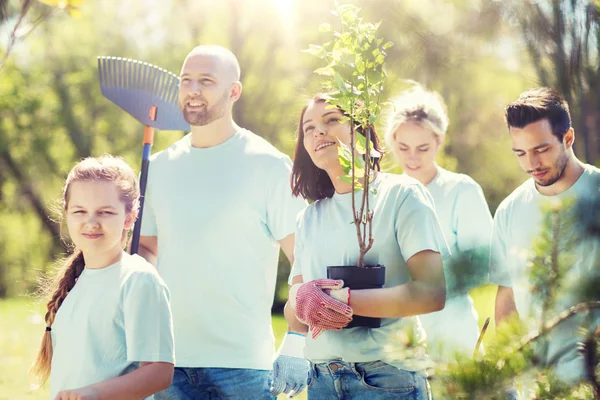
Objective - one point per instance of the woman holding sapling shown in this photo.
(359, 362)
(415, 134)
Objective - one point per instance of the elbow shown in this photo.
(166, 377)
(439, 299)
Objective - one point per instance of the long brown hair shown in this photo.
(310, 181)
(105, 168)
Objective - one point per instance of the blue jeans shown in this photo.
(217, 384)
(374, 380)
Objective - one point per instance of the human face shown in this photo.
(539, 152)
(204, 91)
(322, 132)
(96, 219)
(416, 148)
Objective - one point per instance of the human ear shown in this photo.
(130, 220)
(569, 138)
(236, 91)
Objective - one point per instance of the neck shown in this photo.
(427, 175)
(340, 186)
(103, 260)
(570, 175)
(213, 134)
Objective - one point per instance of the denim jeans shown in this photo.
(366, 381)
(217, 384)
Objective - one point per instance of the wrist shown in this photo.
(292, 295)
(341, 295)
(293, 345)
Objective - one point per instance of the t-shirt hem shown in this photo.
(220, 364)
(168, 358)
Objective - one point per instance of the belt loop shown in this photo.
(354, 368)
(314, 369)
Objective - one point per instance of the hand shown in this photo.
(84, 393)
(317, 309)
(291, 371)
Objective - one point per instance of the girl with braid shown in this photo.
(109, 333)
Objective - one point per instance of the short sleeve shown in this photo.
(282, 206)
(148, 217)
(148, 320)
(499, 273)
(417, 226)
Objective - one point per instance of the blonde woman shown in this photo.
(415, 135)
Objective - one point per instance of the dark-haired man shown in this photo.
(542, 138)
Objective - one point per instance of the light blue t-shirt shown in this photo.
(517, 223)
(466, 222)
(113, 318)
(404, 224)
(218, 213)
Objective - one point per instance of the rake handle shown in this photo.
(148, 142)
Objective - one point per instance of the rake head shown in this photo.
(136, 86)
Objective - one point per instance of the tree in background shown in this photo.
(562, 38)
(52, 112)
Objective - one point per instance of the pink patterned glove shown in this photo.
(318, 310)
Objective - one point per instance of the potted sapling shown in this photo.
(355, 73)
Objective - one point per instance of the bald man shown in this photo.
(218, 208)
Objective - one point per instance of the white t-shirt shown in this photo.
(466, 222)
(218, 213)
(517, 223)
(404, 224)
(113, 318)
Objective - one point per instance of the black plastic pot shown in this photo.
(360, 278)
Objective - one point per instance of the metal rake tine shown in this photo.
(161, 84)
(144, 76)
(114, 71)
(173, 88)
(100, 71)
(155, 80)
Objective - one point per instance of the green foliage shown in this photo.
(517, 356)
(355, 72)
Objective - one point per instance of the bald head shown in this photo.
(224, 59)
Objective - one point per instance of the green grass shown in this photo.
(21, 328)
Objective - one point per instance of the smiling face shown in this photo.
(416, 148)
(539, 151)
(205, 91)
(96, 218)
(322, 131)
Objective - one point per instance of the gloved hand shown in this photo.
(291, 371)
(317, 309)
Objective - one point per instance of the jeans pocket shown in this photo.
(388, 378)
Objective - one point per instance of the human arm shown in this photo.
(287, 245)
(426, 292)
(149, 378)
(290, 369)
(148, 248)
(498, 271)
(505, 304)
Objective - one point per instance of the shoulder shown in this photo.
(462, 183)
(593, 172)
(525, 193)
(173, 152)
(258, 147)
(137, 271)
(400, 187)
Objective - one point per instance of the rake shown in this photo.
(150, 95)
